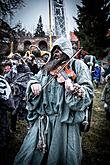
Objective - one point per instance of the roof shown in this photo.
(73, 37)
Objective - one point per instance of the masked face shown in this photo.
(57, 54)
(57, 58)
(7, 69)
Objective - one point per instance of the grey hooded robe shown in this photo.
(55, 116)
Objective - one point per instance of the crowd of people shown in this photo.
(15, 72)
(53, 91)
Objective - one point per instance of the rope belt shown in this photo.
(43, 129)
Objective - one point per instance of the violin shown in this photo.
(63, 74)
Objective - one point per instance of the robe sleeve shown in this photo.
(84, 80)
(32, 101)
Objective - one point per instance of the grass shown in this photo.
(95, 143)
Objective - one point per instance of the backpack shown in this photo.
(85, 124)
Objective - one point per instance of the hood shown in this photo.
(65, 45)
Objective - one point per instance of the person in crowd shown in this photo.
(33, 58)
(56, 105)
(35, 50)
(18, 78)
(105, 97)
(45, 56)
(7, 66)
(31, 62)
(102, 79)
(6, 104)
(97, 75)
(90, 61)
(107, 70)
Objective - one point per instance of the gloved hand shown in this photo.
(76, 89)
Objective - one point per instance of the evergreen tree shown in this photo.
(93, 24)
(9, 7)
(39, 30)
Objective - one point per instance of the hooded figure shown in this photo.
(55, 112)
(17, 78)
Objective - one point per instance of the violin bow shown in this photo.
(61, 69)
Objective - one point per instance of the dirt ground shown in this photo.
(95, 143)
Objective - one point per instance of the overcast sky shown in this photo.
(29, 15)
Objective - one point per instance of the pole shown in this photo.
(11, 50)
(50, 24)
